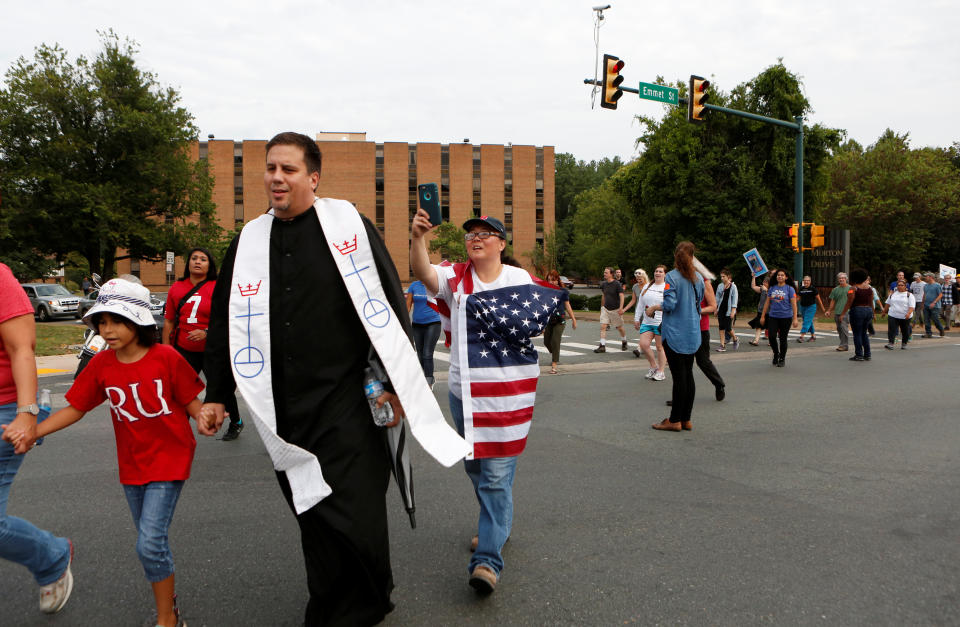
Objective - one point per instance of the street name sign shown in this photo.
(659, 93)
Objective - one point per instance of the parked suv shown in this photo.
(51, 300)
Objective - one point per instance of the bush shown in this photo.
(593, 302)
(578, 302)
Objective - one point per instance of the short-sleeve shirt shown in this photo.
(195, 313)
(652, 295)
(839, 297)
(780, 297)
(930, 293)
(148, 401)
(900, 303)
(422, 312)
(611, 294)
(808, 295)
(13, 303)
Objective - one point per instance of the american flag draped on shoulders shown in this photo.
(499, 365)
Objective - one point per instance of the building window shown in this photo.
(379, 188)
(135, 267)
(445, 182)
(238, 182)
(508, 192)
(476, 182)
(539, 190)
(204, 150)
(412, 181)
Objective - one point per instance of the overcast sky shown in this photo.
(498, 72)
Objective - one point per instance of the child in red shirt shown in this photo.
(152, 391)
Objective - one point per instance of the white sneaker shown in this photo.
(650, 373)
(659, 375)
(54, 596)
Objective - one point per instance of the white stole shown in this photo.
(249, 333)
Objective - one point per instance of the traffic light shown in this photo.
(795, 237)
(697, 98)
(611, 81)
(816, 235)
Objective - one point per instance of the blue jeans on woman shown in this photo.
(860, 318)
(44, 554)
(425, 338)
(152, 505)
(808, 313)
(493, 484)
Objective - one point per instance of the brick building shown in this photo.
(512, 183)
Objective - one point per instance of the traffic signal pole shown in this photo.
(797, 126)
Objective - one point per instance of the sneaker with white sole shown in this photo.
(650, 373)
(53, 596)
(659, 375)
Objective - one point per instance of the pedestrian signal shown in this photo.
(816, 235)
(697, 99)
(611, 81)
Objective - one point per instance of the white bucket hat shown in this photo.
(125, 299)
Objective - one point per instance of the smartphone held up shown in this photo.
(429, 196)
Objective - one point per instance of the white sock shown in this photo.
(603, 341)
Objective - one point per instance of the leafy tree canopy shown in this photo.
(94, 156)
(726, 185)
(901, 205)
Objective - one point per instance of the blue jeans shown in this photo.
(860, 318)
(493, 484)
(44, 555)
(931, 313)
(425, 338)
(808, 313)
(152, 506)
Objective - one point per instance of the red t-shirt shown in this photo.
(147, 398)
(195, 313)
(13, 303)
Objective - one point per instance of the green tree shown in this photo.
(604, 230)
(543, 257)
(573, 177)
(901, 205)
(726, 185)
(94, 157)
(448, 242)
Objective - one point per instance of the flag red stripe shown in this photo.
(482, 450)
(504, 388)
(502, 418)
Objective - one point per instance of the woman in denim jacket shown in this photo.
(680, 330)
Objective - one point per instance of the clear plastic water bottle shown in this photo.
(44, 405)
(373, 389)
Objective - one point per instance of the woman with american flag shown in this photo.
(494, 310)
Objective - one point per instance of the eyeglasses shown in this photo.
(481, 235)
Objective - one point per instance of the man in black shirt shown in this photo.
(318, 353)
(611, 310)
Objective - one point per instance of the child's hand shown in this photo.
(209, 419)
(21, 433)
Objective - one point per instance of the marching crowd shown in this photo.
(316, 263)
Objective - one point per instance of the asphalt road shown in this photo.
(826, 492)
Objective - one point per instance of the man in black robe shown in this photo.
(319, 351)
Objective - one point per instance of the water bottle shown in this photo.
(44, 405)
(373, 389)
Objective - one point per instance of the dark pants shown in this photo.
(195, 359)
(425, 338)
(860, 317)
(895, 324)
(552, 335)
(777, 330)
(704, 362)
(684, 387)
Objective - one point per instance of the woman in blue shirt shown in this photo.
(779, 315)
(680, 331)
(426, 327)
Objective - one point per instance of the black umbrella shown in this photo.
(396, 440)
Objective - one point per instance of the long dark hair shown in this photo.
(146, 334)
(211, 269)
(683, 260)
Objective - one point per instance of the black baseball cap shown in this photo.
(493, 223)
